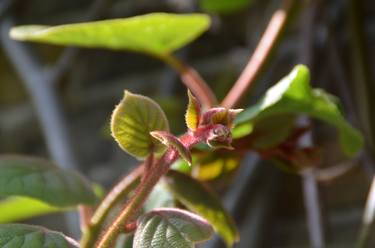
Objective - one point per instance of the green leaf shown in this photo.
(13, 209)
(294, 95)
(160, 197)
(224, 6)
(124, 241)
(171, 228)
(20, 236)
(192, 112)
(42, 180)
(198, 198)
(156, 33)
(133, 120)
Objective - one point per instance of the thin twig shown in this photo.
(193, 81)
(262, 52)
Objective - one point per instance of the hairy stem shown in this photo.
(117, 194)
(193, 81)
(257, 61)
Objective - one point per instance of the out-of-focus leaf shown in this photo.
(160, 197)
(157, 33)
(133, 120)
(294, 95)
(20, 236)
(209, 166)
(223, 6)
(42, 180)
(13, 209)
(198, 198)
(192, 112)
(124, 241)
(181, 166)
(171, 227)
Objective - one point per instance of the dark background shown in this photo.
(56, 102)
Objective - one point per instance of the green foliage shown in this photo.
(157, 33)
(19, 208)
(172, 228)
(40, 179)
(124, 241)
(133, 120)
(224, 6)
(20, 236)
(192, 112)
(196, 197)
(294, 95)
(159, 197)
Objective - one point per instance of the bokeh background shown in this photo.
(56, 102)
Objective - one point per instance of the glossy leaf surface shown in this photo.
(42, 180)
(133, 120)
(199, 199)
(294, 95)
(20, 236)
(156, 33)
(192, 114)
(171, 228)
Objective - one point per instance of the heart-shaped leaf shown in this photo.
(133, 120)
(42, 180)
(156, 33)
(20, 236)
(294, 95)
(13, 209)
(198, 198)
(171, 228)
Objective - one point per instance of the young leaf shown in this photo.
(156, 33)
(171, 228)
(204, 202)
(172, 141)
(294, 95)
(20, 235)
(40, 179)
(13, 209)
(133, 120)
(193, 112)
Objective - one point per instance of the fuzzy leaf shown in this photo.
(133, 120)
(196, 197)
(42, 180)
(171, 228)
(156, 33)
(20, 236)
(169, 140)
(13, 209)
(294, 95)
(192, 112)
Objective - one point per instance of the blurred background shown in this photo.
(56, 102)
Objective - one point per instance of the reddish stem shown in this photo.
(265, 46)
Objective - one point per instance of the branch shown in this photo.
(193, 81)
(256, 63)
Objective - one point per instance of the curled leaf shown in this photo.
(172, 141)
(192, 112)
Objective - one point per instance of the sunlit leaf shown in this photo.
(13, 209)
(40, 179)
(133, 120)
(20, 236)
(199, 199)
(294, 95)
(156, 33)
(224, 6)
(171, 228)
(192, 112)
